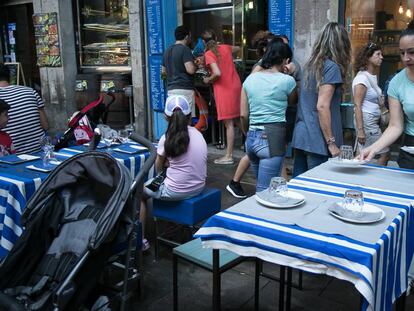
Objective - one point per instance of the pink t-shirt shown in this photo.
(188, 172)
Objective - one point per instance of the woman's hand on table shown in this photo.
(367, 154)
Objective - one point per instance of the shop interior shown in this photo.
(379, 21)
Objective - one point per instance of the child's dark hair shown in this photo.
(409, 31)
(3, 106)
(4, 73)
(276, 52)
(177, 137)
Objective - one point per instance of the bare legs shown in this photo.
(242, 168)
(228, 158)
(229, 124)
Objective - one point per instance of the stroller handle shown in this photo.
(148, 163)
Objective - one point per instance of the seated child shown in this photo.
(6, 144)
(183, 150)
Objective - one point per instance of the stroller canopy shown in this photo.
(80, 206)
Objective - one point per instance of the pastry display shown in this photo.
(104, 33)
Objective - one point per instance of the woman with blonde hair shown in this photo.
(318, 128)
(367, 97)
(226, 85)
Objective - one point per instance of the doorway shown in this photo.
(18, 40)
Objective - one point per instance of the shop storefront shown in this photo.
(110, 44)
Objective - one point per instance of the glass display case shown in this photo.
(103, 35)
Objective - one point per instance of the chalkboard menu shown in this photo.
(155, 49)
(281, 17)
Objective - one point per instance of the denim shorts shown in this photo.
(163, 193)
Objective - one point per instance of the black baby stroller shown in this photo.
(84, 208)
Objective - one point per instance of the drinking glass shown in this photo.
(354, 202)
(123, 136)
(346, 153)
(278, 186)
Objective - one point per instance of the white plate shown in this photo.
(291, 194)
(346, 163)
(367, 207)
(408, 149)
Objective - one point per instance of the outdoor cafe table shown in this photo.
(376, 258)
(18, 184)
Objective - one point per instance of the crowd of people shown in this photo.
(277, 104)
(264, 106)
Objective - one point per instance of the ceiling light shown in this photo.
(401, 9)
(408, 13)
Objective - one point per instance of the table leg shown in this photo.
(216, 280)
(257, 283)
(282, 289)
(288, 288)
(400, 302)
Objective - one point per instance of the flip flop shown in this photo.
(221, 146)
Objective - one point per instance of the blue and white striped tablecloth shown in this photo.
(378, 269)
(18, 184)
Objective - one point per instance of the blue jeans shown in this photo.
(264, 167)
(305, 161)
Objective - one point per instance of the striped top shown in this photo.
(24, 120)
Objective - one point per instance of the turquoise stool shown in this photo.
(187, 212)
(215, 261)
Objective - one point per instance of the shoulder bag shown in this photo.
(385, 113)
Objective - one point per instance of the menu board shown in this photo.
(281, 18)
(47, 40)
(156, 83)
(154, 25)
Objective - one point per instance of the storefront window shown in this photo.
(235, 22)
(103, 33)
(380, 21)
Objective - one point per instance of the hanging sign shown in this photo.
(155, 51)
(281, 18)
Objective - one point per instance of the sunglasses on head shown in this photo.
(372, 45)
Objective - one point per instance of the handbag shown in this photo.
(385, 117)
(385, 113)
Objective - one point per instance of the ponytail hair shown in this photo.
(177, 138)
(210, 38)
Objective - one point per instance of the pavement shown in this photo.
(320, 292)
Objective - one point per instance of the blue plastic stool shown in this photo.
(187, 212)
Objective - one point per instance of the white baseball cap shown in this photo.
(176, 101)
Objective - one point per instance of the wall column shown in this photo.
(58, 83)
(136, 37)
